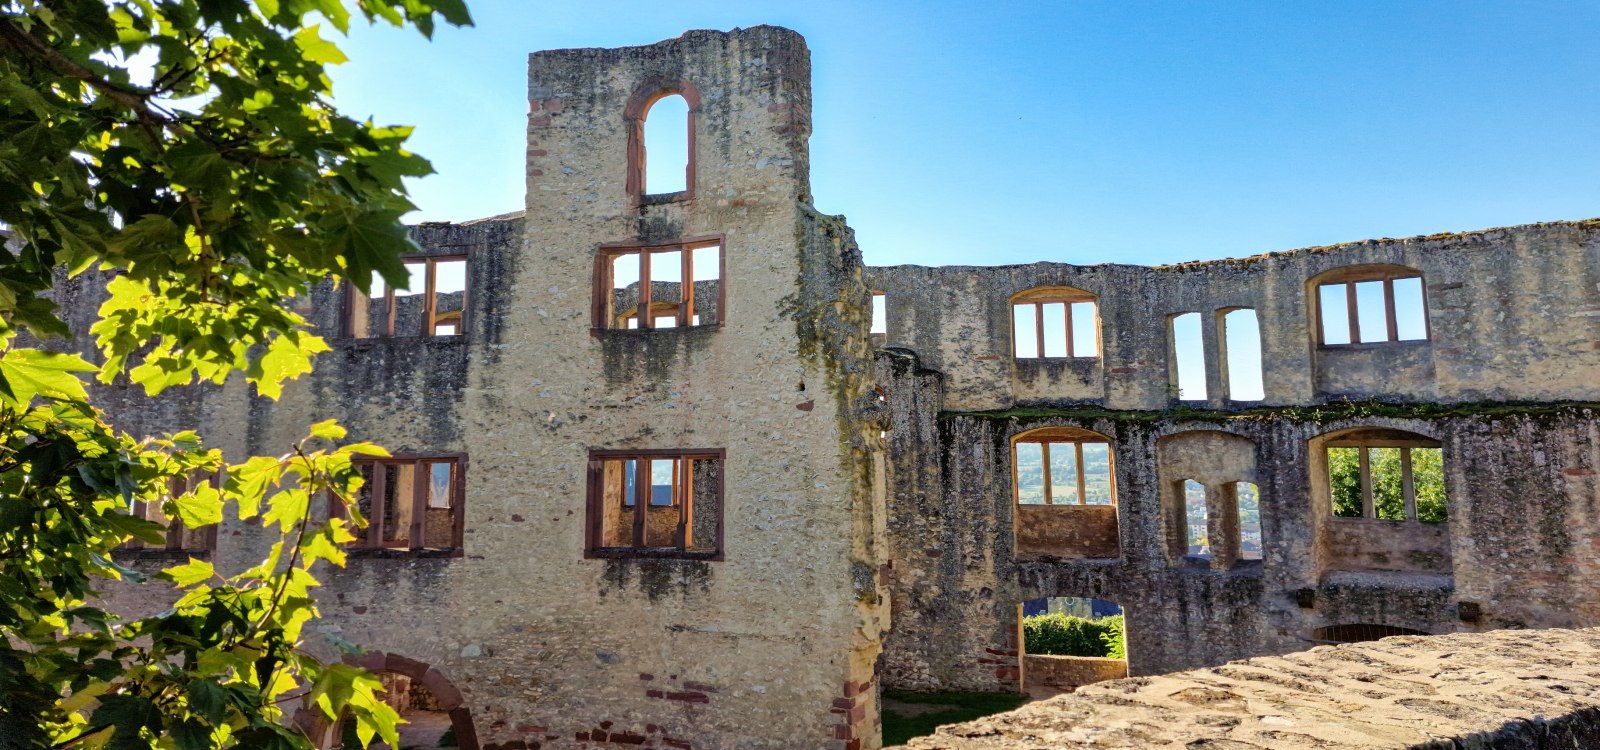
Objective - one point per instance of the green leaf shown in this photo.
(208, 699)
(189, 573)
(329, 430)
(318, 50)
(202, 506)
(287, 508)
(25, 373)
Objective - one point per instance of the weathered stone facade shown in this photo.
(845, 560)
(1506, 383)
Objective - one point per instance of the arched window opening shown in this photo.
(666, 146)
(1188, 348)
(1196, 533)
(1359, 632)
(1063, 466)
(1387, 475)
(1371, 305)
(1249, 499)
(1054, 322)
(1064, 485)
(1241, 360)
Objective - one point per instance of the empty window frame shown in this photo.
(1188, 350)
(1196, 520)
(1054, 322)
(880, 314)
(655, 503)
(1064, 470)
(661, 142)
(415, 503)
(435, 304)
(1241, 355)
(179, 538)
(1372, 306)
(666, 152)
(1386, 475)
(1248, 497)
(679, 285)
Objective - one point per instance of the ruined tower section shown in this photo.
(678, 421)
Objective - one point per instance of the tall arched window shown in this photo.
(666, 146)
(661, 137)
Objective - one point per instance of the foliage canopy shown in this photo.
(186, 154)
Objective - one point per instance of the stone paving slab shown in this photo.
(1503, 689)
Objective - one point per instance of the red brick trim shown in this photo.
(652, 91)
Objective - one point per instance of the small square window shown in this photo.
(657, 287)
(411, 503)
(663, 503)
(434, 304)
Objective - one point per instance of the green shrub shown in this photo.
(1065, 635)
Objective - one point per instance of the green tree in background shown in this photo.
(1388, 486)
(186, 150)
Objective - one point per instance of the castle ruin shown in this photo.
(659, 482)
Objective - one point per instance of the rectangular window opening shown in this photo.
(1249, 501)
(1189, 355)
(433, 304)
(668, 286)
(880, 314)
(198, 542)
(1387, 481)
(1195, 520)
(411, 503)
(1241, 333)
(1376, 308)
(1062, 472)
(655, 504)
(1054, 329)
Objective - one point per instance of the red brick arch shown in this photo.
(444, 691)
(653, 90)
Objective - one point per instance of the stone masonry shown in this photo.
(838, 509)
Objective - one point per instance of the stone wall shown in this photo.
(1513, 414)
(1512, 315)
(1507, 689)
(771, 646)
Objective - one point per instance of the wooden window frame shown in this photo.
(601, 310)
(1044, 442)
(634, 115)
(684, 502)
(1066, 297)
(1408, 485)
(175, 529)
(369, 542)
(1348, 278)
(431, 318)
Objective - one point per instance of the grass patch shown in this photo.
(942, 708)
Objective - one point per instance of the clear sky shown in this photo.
(1085, 132)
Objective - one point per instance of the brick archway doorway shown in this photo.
(444, 692)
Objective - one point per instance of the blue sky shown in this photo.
(1083, 132)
